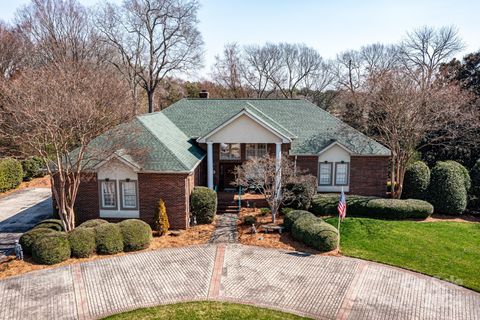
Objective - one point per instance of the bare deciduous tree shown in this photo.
(261, 175)
(12, 50)
(227, 70)
(260, 62)
(57, 111)
(155, 39)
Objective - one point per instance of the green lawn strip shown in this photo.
(446, 250)
(204, 310)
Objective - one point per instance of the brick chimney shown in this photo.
(203, 94)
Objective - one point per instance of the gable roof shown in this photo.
(311, 128)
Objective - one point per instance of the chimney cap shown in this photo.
(203, 94)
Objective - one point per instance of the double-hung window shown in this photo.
(325, 174)
(230, 151)
(341, 173)
(129, 194)
(255, 150)
(108, 191)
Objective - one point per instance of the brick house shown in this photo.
(200, 141)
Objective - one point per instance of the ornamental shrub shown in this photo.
(82, 242)
(203, 204)
(475, 176)
(447, 192)
(315, 232)
(292, 216)
(28, 238)
(416, 181)
(32, 168)
(249, 220)
(108, 238)
(54, 224)
(466, 175)
(92, 223)
(11, 174)
(137, 234)
(51, 248)
(161, 218)
(360, 206)
(301, 192)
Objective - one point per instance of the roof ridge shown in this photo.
(270, 118)
(160, 141)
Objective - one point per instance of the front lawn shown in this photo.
(446, 250)
(204, 310)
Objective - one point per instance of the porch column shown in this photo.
(278, 164)
(210, 165)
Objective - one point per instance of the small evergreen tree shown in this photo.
(161, 219)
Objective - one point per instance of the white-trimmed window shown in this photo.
(128, 194)
(341, 173)
(255, 150)
(325, 173)
(109, 194)
(230, 151)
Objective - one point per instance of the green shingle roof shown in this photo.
(167, 138)
(310, 127)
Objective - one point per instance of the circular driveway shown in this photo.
(316, 286)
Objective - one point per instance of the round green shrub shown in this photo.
(293, 215)
(447, 192)
(416, 181)
(203, 204)
(249, 220)
(11, 174)
(32, 168)
(466, 175)
(475, 176)
(316, 233)
(28, 238)
(92, 223)
(51, 248)
(54, 224)
(137, 234)
(108, 238)
(82, 242)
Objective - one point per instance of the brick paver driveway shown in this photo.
(317, 286)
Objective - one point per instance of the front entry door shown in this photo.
(227, 175)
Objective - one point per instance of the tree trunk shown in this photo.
(150, 101)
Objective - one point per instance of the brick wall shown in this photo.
(307, 163)
(368, 175)
(87, 204)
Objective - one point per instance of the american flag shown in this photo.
(342, 206)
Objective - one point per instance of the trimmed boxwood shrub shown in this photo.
(447, 191)
(466, 175)
(203, 204)
(32, 168)
(416, 181)
(292, 216)
(475, 176)
(28, 238)
(92, 223)
(11, 174)
(82, 242)
(108, 238)
(315, 232)
(136, 234)
(51, 248)
(326, 205)
(54, 224)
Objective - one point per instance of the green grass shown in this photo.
(446, 250)
(204, 310)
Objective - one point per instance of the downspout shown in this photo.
(295, 166)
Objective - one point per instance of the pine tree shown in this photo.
(161, 219)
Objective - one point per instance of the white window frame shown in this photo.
(330, 165)
(347, 173)
(122, 195)
(253, 150)
(228, 156)
(102, 195)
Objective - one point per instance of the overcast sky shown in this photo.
(329, 26)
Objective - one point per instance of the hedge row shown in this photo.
(360, 206)
(49, 245)
(32, 168)
(311, 230)
(11, 174)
